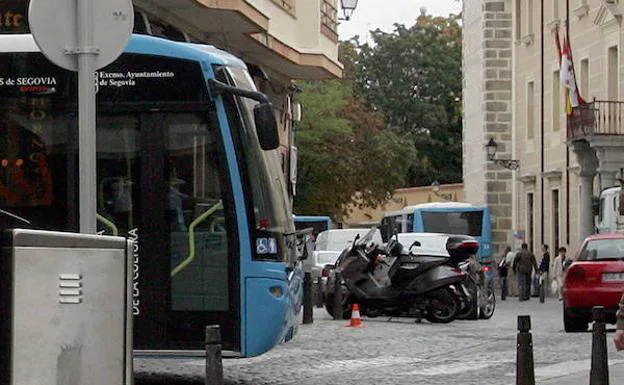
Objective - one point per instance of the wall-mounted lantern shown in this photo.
(491, 147)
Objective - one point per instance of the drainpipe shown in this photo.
(542, 121)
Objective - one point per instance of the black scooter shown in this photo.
(410, 285)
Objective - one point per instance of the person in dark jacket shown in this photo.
(523, 266)
(503, 272)
(544, 268)
(544, 265)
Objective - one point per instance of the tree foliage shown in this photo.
(345, 155)
(394, 120)
(414, 76)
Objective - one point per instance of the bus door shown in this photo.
(159, 183)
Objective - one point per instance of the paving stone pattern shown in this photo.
(403, 352)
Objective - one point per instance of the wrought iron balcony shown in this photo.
(599, 117)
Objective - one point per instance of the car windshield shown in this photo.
(429, 244)
(327, 257)
(603, 249)
(338, 240)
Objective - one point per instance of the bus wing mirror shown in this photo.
(266, 126)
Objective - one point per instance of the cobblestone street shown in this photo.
(402, 352)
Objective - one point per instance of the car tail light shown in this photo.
(575, 273)
(486, 269)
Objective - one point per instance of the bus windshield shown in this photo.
(453, 222)
(267, 187)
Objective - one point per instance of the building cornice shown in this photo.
(528, 39)
(581, 11)
(553, 25)
(602, 15)
(528, 179)
(552, 174)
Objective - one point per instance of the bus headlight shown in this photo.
(276, 291)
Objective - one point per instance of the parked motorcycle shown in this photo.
(391, 281)
(477, 299)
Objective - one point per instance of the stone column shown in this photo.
(586, 216)
(588, 162)
(610, 158)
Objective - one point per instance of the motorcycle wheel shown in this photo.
(468, 309)
(487, 310)
(329, 306)
(443, 306)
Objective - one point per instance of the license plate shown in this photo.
(613, 277)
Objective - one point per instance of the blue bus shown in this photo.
(187, 167)
(318, 223)
(448, 218)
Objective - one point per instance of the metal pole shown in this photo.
(86, 117)
(214, 364)
(307, 299)
(543, 280)
(337, 305)
(599, 373)
(525, 374)
(319, 292)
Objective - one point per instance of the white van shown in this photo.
(330, 243)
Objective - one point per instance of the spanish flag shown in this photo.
(567, 75)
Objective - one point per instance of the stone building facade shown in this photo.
(487, 84)
(566, 158)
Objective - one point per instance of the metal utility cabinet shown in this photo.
(65, 303)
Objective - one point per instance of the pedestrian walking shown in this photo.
(618, 338)
(559, 266)
(511, 276)
(544, 266)
(523, 266)
(503, 272)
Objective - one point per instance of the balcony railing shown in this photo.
(329, 19)
(599, 117)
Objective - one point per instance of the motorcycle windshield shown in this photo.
(352, 264)
(367, 238)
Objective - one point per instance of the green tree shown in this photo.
(414, 76)
(346, 157)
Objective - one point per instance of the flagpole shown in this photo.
(542, 120)
(567, 160)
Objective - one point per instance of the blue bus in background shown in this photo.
(448, 218)
(187, 167)
(318, 222)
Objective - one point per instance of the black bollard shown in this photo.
(214, 364)
(319, 292)
(337, 305)
(308, 316)
(525, 374)
(599, 373)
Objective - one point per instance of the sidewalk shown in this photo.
(616, 376)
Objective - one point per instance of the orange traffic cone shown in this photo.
(356, 321)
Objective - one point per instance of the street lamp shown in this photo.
(435, 187)
(491, 148)
(348, 6)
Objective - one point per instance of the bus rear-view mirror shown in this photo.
(266, 126)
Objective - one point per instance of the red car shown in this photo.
(595, 278)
